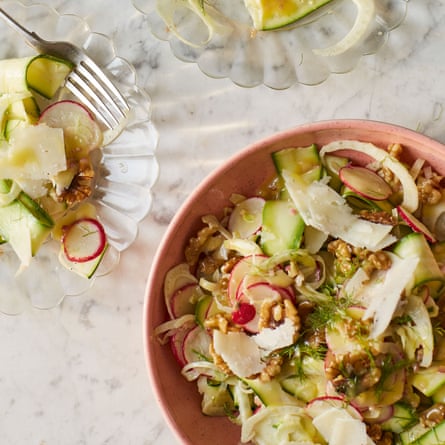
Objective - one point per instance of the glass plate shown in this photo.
(126, 168)
(277, 59)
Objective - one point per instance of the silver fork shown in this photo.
(87, 81)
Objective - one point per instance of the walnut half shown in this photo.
(81, 186)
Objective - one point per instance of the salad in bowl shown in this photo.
(72, 191)
(305, 304)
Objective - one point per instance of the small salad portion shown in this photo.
(270, 15)
(313, 312)
(46, 165)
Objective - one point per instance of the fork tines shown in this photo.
(89, 83)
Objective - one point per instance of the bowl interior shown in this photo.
(243, 174)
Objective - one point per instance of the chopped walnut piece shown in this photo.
(340, 248)
(273, 312)
(218, 361)
(222, 322)
(218, 321)
(272, 368)
(429, 188)
(433, 415)
(348, 258)
(207, 266)
(379, 436)
(377, 261)
(291, 312)
(378, 217)
(266, 313)
(353, 368)
(229, 264)
(395, 150)
(81, 186)
(194, 248)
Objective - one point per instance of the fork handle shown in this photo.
(32, 38)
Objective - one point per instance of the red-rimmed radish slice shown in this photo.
(263, 291)
(415, 224)
(81, 131)
(240, 270)
(409, 188)
(177, 345)
(277, 278)
(176, 278)
(86, 268)
(246, 217)
(365, 182)
(287, 292)
(196, 345)
(255, 295)
(181, 302)
(321, 404)
(83, 240)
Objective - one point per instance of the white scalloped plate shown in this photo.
(125, 171)
(277, 59)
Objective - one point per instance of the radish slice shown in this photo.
(415, 224)
(365, 182)
(365, 15)
(246, 218)
(242, 268)
(177, 345)
(254, 295)
(276, 279)
(196, 345)
(264, 291)
(176, 278)
(410, 192)
(181, 302)
(85, 268)
(83, 240)
(81, 131)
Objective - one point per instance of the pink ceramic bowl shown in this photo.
(242, 173)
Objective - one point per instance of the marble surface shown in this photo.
(76, 374)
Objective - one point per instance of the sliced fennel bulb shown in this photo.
(363, 20)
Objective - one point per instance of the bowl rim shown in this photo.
(360, 125)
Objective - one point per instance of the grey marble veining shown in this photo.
(76, 375)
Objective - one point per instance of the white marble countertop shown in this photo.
(76, 374)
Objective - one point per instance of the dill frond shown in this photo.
(330, 312)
